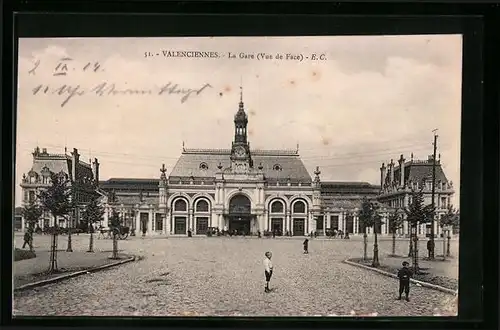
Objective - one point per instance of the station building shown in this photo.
(240, 188)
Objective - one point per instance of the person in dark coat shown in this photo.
(274, 233)
(404, 275)
(27, 238)
(306, 246)
(430, 247)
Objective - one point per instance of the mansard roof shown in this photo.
(348, 187)
(189, 163)
(57, 163)
(418, 170)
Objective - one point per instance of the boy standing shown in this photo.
(404, 275)
(306, 246)
(268, 268)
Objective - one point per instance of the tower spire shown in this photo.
(241, 89)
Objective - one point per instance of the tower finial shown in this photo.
(183, 149)
(241, 89)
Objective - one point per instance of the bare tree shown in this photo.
(396, 222)
(57, 200)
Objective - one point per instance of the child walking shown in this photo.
(306, 246)
(404, 275)
(268, 269)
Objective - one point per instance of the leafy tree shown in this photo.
(93, 213)
(396, 222)
(31, 214)
(370, 217)
(57, 200)
(114, 226)
(417, 213)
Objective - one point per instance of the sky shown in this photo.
(367, 101)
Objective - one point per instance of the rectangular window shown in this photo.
(159, 222)
(31, 196)
(334, 222)
(26, 196)
(319, 223)
(443, 202)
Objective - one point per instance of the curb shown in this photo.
(424, 284)
(70, 275)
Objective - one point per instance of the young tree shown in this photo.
(57, 200)
(396, 222)
(364, 216)
(93, 213)
(114, 226)
(417, 213)
(31, 213)
(450, 220)
(370, 217)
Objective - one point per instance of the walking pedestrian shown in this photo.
(268, 269)
(274, 233)
(430, 247)
(306, 246)
(404, 275)
(27, 238)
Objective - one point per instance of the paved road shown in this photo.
(224, 276)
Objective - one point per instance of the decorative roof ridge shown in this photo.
(205, 151)
(276, 152)
(52, 156)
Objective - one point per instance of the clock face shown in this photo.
(240, 151)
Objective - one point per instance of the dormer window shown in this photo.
(203, 166)
(277, 167)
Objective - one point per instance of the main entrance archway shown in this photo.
(240, 214)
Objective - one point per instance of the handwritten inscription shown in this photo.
(68, 92)
(65, 65)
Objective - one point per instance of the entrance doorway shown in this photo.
(277, 226)
(180, 225)
(240, 224)
(298, 227)
(240, 214)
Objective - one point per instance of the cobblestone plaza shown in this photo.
(180, 276)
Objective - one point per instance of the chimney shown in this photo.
(402, 171)
(95, 170)
(382, 175)
(75, 160)
(44, 151)
(391, 173)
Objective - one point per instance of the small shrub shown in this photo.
(23, 254)
(209, 233)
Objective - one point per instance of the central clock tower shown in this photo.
(240, 151)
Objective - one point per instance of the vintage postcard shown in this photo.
(238, 176)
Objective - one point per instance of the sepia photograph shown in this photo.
(238, 176)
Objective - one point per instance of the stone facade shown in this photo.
(247, 190)
(82, 177)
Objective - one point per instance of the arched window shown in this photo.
(299, 207)
(277, 207)
(202, 206)
(180, 205)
